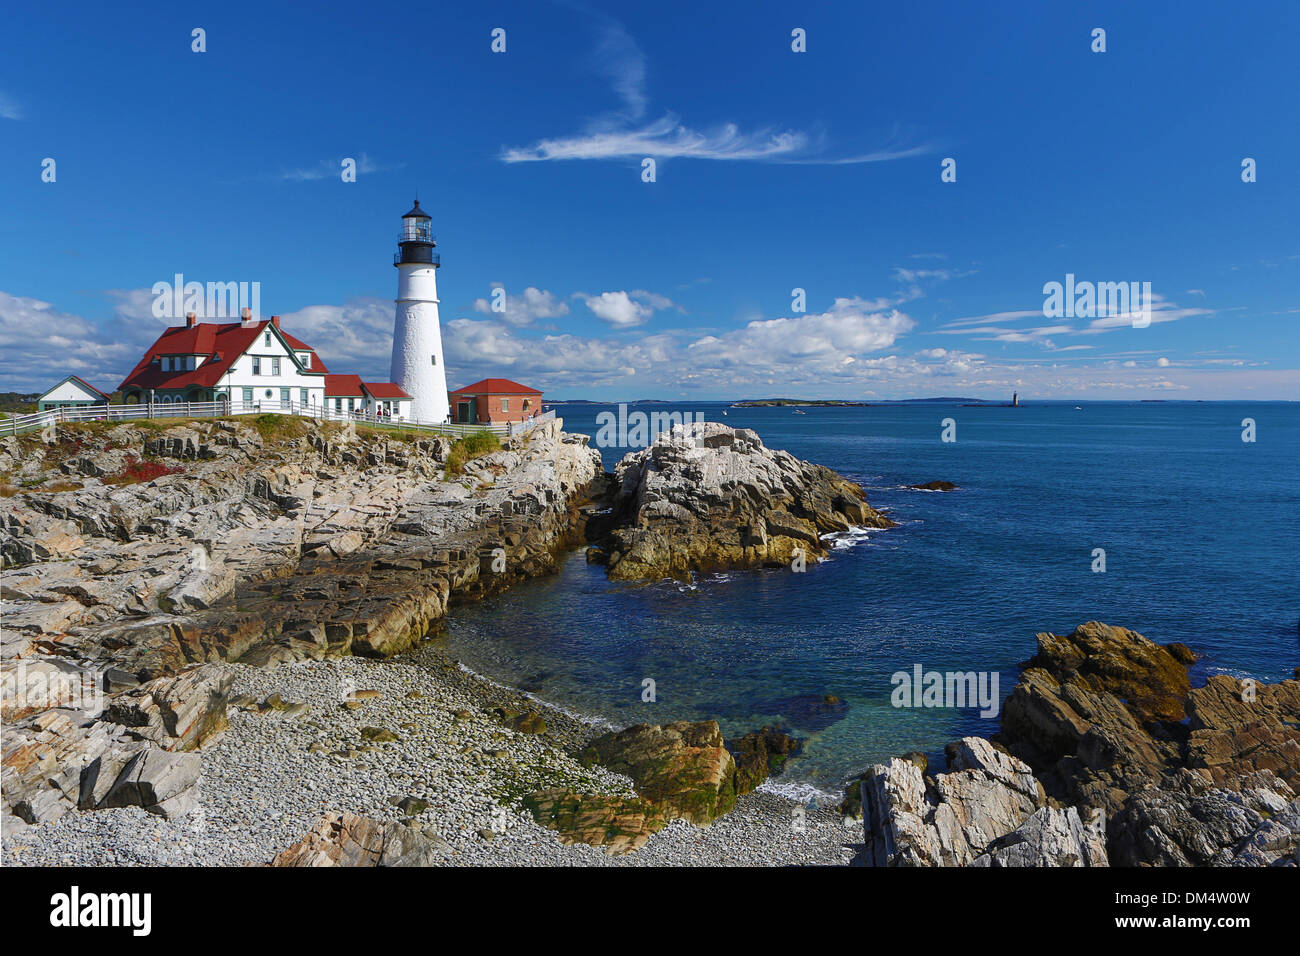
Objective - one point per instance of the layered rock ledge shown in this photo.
(707, 497)
(139, 551)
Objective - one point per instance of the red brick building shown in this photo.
(494, 400)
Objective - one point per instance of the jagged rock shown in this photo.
(1093, 714)
(760, 754)
(181, 713)
(711, 497)
(44, 757)
(157, 780)
(100, 464)
(618, 824)
(60, 760)
(935, 486)
(33, 684)
(948, 819)
(851, 803)
(1190, 822)
(1115, 660)
(1236, 731)
(346, 839)
(682, 768)
(1050, 837)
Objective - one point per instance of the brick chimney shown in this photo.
(190, 319)
(275, 320)
(245, 316)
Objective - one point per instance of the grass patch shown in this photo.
(271, 426)
(471, 446)
(393, 433)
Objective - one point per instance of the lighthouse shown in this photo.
(417, 338)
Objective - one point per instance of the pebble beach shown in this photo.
(417, 740)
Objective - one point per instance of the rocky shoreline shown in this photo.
(457, 763)
(255, 601)
(1106, 756)
(711, 498)
(164, 559)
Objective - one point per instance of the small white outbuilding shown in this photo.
(72, 392)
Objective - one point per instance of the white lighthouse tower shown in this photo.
(417, 338)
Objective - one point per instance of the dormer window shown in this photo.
(305, 358)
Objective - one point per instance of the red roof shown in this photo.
(496, 386)
(220, 343)
(343, 385)
(384, 390)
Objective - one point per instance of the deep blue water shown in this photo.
(1201, 532)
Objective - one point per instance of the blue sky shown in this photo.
(776, 170)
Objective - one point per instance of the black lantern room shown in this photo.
(416, 242)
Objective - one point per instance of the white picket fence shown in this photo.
(100, 413)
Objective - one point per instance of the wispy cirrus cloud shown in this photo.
(331, 169)
(624, 133)
(1005, 327)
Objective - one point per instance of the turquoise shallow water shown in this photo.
(1201, 533)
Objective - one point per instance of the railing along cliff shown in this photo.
(126, 413)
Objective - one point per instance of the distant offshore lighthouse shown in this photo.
(417, 335)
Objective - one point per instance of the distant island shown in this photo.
(833, 403)
(760, 402)
(587, 401)
(806, 402)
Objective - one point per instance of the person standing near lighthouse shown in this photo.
(417, 336)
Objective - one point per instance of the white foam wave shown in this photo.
(801, 793)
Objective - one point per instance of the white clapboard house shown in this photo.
(256, 366)
(72, 392)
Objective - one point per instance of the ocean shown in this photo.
(1200, 529)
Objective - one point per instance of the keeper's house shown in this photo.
(494, 400)
(72, 392)
(255, 366)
